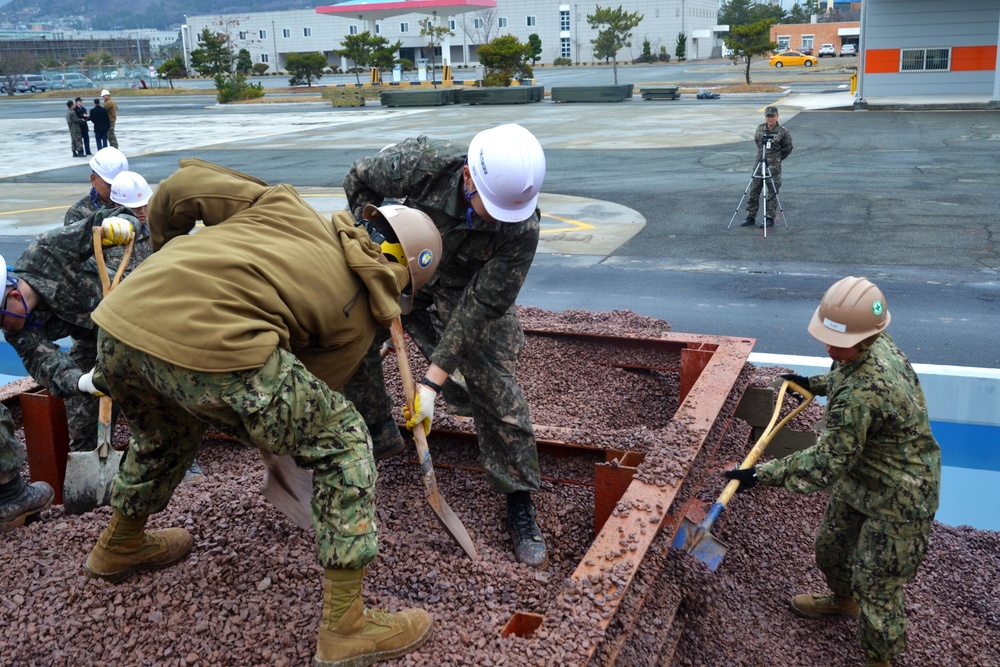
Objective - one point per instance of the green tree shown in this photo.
(434, 34)
(614, 32)
(244, 63)
(214, 54)
(233, 87)
(172, 68)
(681, 49)
(534, 47)
(504, 59)
(751, 40)
(304, 67)
(745, 12)
(368, 50)
(14, 63)
(259, 68)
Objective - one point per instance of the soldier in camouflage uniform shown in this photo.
(105, 165)
(778, 147)
(280, 307)
(880, 461)
(464, 319)
(75, 123)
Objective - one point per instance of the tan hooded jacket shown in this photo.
(266, 272)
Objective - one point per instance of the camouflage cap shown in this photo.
(771, 111)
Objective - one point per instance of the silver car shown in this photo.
(31, 83)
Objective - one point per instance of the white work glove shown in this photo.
(387, 349)
(116, 231)
(423, 406)
(86, 384)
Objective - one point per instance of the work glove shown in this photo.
(746, 476)
(387, 349)
(86, 384)
(800, 380)
(423, 407)
(116, 231)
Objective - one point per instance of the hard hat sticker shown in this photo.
(425, 258)
(877, 308)
(836, 326)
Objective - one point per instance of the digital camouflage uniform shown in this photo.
(781, 148)
(879, 457)
(112, 109)
(12, 452)
(86, 206)
(75, 134)
(61, 267)
(281, 306)
(463, 318)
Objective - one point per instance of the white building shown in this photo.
(562, 28)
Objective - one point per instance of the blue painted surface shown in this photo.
(969, 498)
(972, 446)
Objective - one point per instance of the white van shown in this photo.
(71, 80)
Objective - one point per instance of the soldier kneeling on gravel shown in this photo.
(883, 466)
(286, 305)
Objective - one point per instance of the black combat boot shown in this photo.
(386, 440)
(768, 222)
(20, 502)
(749, 221)
(529, 546)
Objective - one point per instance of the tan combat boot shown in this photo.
(124, 547)
(352, 636)
(818, 606)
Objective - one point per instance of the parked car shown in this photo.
(806, 51)
(31, 83)
(848, 50)
(3, 88)
(792, 58)
(72, 80)
(827, 50)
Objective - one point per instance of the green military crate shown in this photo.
(661, 93)
(502, 95)
(345, 97)
(617, 93)
(421, 97)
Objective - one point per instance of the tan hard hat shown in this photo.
(419, 239)
(852, 310)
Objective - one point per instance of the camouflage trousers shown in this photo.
(757, 185)
(871, 560)
(112, 137)
(499, 410)
(82, 410)
(12, 452)
(280, 407)
(76, 138)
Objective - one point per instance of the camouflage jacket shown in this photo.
(86, 207)
(876, 449)
(74, 122)
(484, 262)
(61, 267)
(781, 145)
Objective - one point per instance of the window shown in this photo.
(783, 42)
(307, 32)
(530, 21)
(243, 34)
(263, 58)
(352, 29)
(262, 34)
(564, 20)
(452, 25)
(807, 42)
(477, 24)
(404, 27)
(925, 60)
(502, 22)
(286, 33)
(378, 28)
(564, 48)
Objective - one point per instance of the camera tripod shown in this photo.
(763, 172)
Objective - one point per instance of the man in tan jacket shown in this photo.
(112, 109)
(281, 307)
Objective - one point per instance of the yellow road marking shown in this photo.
(576, 224)
(32, 210)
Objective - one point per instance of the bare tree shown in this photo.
(480, 27)
(14, 63)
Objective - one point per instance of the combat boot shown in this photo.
(818, 606)
(352, 636)
(749, 221)
(529, 545)
(124, 547)
(387, 441)
(20, 503)
(768, 222)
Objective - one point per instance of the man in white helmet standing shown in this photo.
(879, 460)
(112, 109)
(104, 166)
(484, 203)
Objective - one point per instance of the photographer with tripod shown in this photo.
(774, 144)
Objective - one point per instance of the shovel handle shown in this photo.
(104, 427)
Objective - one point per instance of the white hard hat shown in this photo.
(105, 92)
(108, 163)
(508, 166)
(130, 189)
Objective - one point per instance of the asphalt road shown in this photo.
(905, 198)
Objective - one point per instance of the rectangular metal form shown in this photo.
(46, 437)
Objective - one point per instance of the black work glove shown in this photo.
(800, 380)
(746, 476)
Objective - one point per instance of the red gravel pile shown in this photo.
(250, 592)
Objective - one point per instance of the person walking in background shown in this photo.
(112, 109)
(81, 113)
(775, 143)
(880, 462)
(104, 166)
(99, 117)
(73, 121)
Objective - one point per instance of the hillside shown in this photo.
(102, 14)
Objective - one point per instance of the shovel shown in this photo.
(696, 538)
(452, 524)
(288, 487)
(88, 474)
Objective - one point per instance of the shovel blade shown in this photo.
(87, 484)
(452, 524)
(289, 488)
(710, 551)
